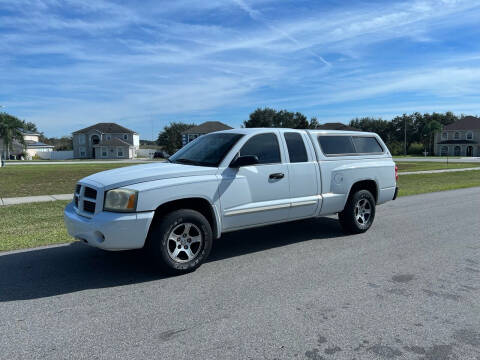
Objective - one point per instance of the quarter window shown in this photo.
(336, 145)
(264, 146)
(296, 147)
(366, 144)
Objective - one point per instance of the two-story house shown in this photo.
(462, 138)
(105, 141)
(202, 129)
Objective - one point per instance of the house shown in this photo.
(462, 138)
(202, 129)
(105, 141)
(32, 146)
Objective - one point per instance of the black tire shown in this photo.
(159, 244)
(352, 220)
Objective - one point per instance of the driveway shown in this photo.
(407, 289)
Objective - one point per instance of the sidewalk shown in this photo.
(32, 199)
(437, 171)
(44, 198)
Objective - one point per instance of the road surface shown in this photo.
(407, 289)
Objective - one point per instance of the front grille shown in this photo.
(88, 206)
(76, 200)
(77, 189)
(90, 193)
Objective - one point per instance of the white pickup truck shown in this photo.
(232, 180)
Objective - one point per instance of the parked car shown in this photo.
(232, 180)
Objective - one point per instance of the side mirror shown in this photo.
(246, 160)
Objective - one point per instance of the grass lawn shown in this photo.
(30, 180)
(424, 183)
(422, 166)
(37, 224)
(31, 225)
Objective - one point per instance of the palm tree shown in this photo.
(10, 131)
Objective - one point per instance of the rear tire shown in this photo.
(180, 242)
(359, 212)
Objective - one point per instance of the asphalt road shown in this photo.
(407, 289)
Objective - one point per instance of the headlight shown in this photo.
(121, 200)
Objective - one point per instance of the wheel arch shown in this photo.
(365, 184)
(200, 204)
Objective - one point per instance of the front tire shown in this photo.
(180, 242)
(359, 212)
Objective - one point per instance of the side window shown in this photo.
(264, 146)
(296, 147)
(366, 144)
(336, 145)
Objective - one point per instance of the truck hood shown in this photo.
(129, 175)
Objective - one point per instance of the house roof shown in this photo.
(207, 127)
(467, 123)
(113, 142)
(336, 126)
(28, 132)
(37, 144)
(106, 128)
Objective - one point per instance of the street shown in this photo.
(407, 289)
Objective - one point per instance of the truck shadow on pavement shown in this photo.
(45, 272)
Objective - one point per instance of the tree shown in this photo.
(171, 136)
(10, 131)
(314, 124)
(268, 117)
(62, 143)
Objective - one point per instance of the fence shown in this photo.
(55, 155)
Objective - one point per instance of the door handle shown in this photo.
(277, 176)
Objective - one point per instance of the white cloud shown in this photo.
(109, 61)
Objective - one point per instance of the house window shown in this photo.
(82, 151)
(444, 136)
(469, 135)
(457, 135)
(120, 152)
(457, 150)
(95, 139)
(125, 136)
(104, 152)
(109, 137)
(81, 139)
(444, 151)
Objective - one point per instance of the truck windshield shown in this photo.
(207, 150)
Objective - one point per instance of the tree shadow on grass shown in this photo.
(51, 271)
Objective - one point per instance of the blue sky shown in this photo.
(66, 64)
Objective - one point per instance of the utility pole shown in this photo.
(405, 137)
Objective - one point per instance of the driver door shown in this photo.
(256, 194)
